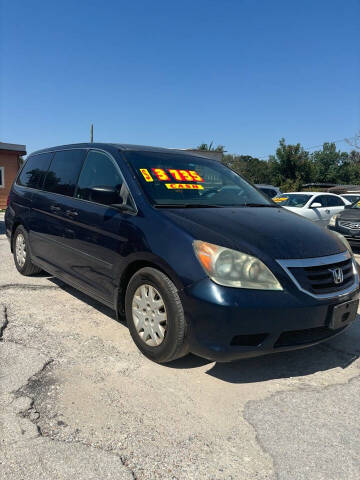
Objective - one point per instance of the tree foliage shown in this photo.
(292, 166)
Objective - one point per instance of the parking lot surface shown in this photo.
(78, 400)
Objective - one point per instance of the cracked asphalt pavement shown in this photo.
(78, 400)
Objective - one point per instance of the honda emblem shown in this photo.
(338, 275)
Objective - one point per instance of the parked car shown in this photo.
(269, 190)
(194, 265)
(351, 197)
(316, 206)
(347, 223)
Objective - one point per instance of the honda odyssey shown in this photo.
(195, 257)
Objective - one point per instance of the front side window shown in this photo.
(298, 200)
(33, 173)
(175, 180)
(64, 172)
(322, 199)
(2, 177)
(100, 180)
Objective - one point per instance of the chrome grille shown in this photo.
(351, 225)
(320, 279)
(315, 275)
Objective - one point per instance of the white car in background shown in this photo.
(316, 206)
(351, 197)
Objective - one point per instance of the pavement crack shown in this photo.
(20, 392)
(5, 323)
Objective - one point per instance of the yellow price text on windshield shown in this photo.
(146, 174)
(280, 199)
(183, 186)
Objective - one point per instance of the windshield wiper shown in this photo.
(186, 205)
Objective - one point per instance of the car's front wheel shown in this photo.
(21, 252)
(155, 316)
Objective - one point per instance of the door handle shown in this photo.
(55, 208)
(71, 213)
(327, 211)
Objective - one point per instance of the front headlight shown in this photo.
(332, 222)
(234, 269)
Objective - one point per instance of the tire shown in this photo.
(23, 262)
(150, 297)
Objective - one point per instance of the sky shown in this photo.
(240, 73)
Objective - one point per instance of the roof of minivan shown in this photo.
(120, 146)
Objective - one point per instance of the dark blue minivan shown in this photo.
(196, 258)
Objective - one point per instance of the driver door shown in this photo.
(322, 214)
(99, 230)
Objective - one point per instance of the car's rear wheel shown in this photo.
(155, 316)
(21, 252)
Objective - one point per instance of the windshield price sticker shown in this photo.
(161, 174)
(164, 176)
(280, 199)
(184, 186)
(146, 174)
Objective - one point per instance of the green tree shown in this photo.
(354, 156)
(253, 169)
(290, 167)
(327, 163)
(348, 171)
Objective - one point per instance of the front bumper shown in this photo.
(227, 323)
(352, 236)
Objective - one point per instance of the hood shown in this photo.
(350, 214)
(273, 232)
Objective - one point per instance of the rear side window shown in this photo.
(335, 201)
(64, 172)
(34, 171)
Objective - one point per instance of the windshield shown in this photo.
(173, 179)
(351, 198)
(292, 199)
(356, 205)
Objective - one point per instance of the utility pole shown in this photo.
(92, 133)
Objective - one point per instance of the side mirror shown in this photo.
(316, 205)
(104, 195)
(125, 207)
